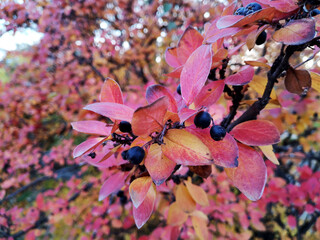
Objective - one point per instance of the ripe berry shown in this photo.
(261, 39)
(240, 11)
(92, 155)
(252, 7)
(124, 155)
(315, 12)
(217, 132)
(125, 126)
(135, 155)
(202, 120)
(179, 89)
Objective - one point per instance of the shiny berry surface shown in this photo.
(125, 126)
(135, 155)
(217, 132)
(202, 120)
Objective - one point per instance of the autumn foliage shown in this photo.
(162, 120)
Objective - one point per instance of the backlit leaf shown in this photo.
(149, 119)
(171, 57)
(184, 199)
(268, 152)
(297, 81)
(258, 64)
(244, 76)
(252, 37)
(259, 83)
(154, 92)
(159, 166)
(251, 175)
(195, 73)
(256, 133)
(184, 148)
(315, 81)
(214, 33)
(296, 32)
(86, 146)
(199, 223)
(113, 184)
(188, 43)
(91, 127)
(111, 92)
(224, 152)
(138, 190)
(111, 110)
(144, 211)
(176, 216)
(197, 193)
(209, 94)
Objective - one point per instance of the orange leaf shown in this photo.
(184, 199)
(258, 64)
(138, 190)
(185, 148)
(148, 119)
(159, 166)
(256, 133)
(199, 223)
(176, 216)
(251, 175)
(154, 92)
(268, 152)
(315, 81)
(111, 92)
(296, 32)
(145, 209)
(197, 193)
(297, 81)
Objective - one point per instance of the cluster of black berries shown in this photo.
(123, 198)
(203, 120)
(251, 8)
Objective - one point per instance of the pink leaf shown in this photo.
(188, 43)
(214, 33)
(111, 92)
(251, 174)
(171, 57)
(195, 72)
(256, 133)
(91, 127)
(159, 166)
(155, 92)
(138, 190)
(292, 222)
(209, 94)
(244, 76)
(144, 211)
(113, 184)
(86, 146)
(111, 110)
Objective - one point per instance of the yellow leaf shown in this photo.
(315, 78)
(268, 152)
(197, 193)
(184, 199)
(259, 83)
(199, 222)
(176, 216)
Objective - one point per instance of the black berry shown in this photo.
(125, 126)
(120, 193)
(240, 11)
(315, 12)
(179, 89)
(92, 155)
(202, 120)
(261, 39)
(217, 132)
(123, 200)
(124, 155)
(135, 155)
(252, 7)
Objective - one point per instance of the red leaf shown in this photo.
(111, 110)
(155, 92)
(111, 92)
(175, 73)
(209, 94)
(138, 190)
(186, 113)
(256, 133)
(224, 153)
(113, 184)
(214, 33)
(149, 119)
(144, 211)
(244, 76)
(292, 222)
(159, 166)
(195, 72)
(91, 127)
(188, 43)
(251, 175)
(296, 32)
(172, 58)
(265, 15)
(185, 148)
(86, 146)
